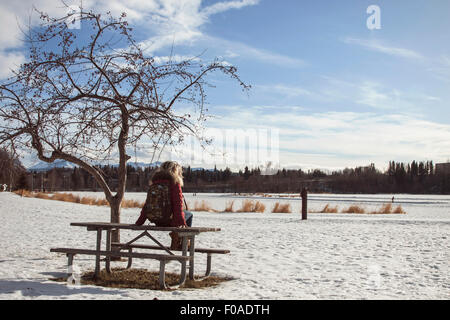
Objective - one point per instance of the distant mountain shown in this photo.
(45, 166)
(200, 169)
(141, 164)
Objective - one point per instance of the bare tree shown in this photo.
(87, 94)
(11, 169)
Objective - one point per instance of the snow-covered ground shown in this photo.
(273, 256)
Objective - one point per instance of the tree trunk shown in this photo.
(115, 217)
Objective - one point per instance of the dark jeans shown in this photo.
(188, 216)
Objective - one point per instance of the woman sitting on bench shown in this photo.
(172, 173)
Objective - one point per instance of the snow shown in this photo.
(45, 166)
(273, 256)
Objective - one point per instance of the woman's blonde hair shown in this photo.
(174, 170)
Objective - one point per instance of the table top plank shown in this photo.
(109, 225)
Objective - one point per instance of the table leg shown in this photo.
(108, 248)
(162, 275)
(69, 265)
(184, 253)
(130, 259)
(191, 253)
(97, 257)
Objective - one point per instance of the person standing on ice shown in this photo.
(171, 174)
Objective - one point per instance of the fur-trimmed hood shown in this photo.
(161, 175)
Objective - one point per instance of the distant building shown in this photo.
(442, 168)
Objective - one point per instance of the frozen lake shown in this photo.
(273, 256)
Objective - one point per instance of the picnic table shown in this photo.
(115, 250)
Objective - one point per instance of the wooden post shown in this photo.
(304, 195)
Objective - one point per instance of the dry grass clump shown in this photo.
(142, 279)
(384, 209)
(252, 206)
(43, 195)
(247, 206)
(69, 197)
(329, 209)
(88, 200)
(203, 206)
(22, 192)
(259, 207)
(282, 208)
(354, 209)
(229, 206)
(61, 197)
(399, 210)
(387, 209)
(132, 204)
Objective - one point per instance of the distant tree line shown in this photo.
(12, 173)
(415, 177)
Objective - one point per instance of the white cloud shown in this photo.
(137, 10)
(376, 45)
(445, 60)
(431, 98)
(169, 22)
(225, 6)
(15, 18)
(175, 59)
(234, 49)
(9, 61)
(340, 139)
(371, 96)
(441, 68)
(372, 93)
(180, 22)
(283, 89)
(176, 22)
(8, 21)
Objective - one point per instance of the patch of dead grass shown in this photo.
(203, 206)
(399, 210)
(329, 209)
(354, 209)
(259, 207)
(69, 197)
(388, 209)
(282, 208)
(252, 206)
(132, 204)
(229, 206)
(142, 279)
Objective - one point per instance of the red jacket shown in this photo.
(176, 199)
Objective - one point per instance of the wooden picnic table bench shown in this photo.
(209, 253)
(115, 249)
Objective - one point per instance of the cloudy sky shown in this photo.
(334, 92)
